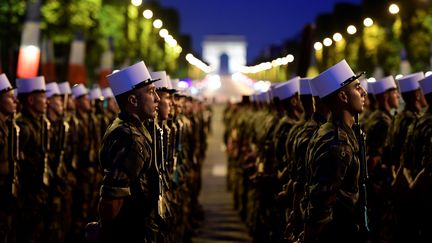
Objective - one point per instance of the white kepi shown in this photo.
(305, 86)
(79, 90)
(287, 89)
(384, 84)
(426, 85)
(410, 82)
(129, 78)
(333, 79)
(163, 79)
(29, 85)
(65, 88)
(4, 83)
(107, 93)
(96, 94)
(52, 89)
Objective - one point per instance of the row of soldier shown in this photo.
(289, 184)
(58, 170)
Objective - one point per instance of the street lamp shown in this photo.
(157, 23)
(393, 8)
(163, 33)
(148, 14)
(337, 37)
(367, 22)
(290, 58)
(327, 42)
(318, 46)
(351, 29)
(136, 3)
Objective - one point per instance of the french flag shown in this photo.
(29, 53)
(77, 72)
(47, 60)
(106, 66)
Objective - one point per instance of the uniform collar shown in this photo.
(126, 117)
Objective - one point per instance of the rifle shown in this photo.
(14, 154)
(364, 177)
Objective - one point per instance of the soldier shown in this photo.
(332, 173)
(85, 162)
(55, 226)
(414, 103)
(129, 192)
(377, 129)
(33, 163)
(69, 146)
(162, 136)
(298, 156)
(291, 105)
(403, 228)
(417, 162)
(8, 106)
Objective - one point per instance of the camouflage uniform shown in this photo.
(126, 156)
(34, 193)
(7, 200)
(377, 130)
(298, 160)
(332, 189)
(402, 226)
(418, 159)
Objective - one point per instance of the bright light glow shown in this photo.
(157, 23)
(318, 46)
(28, 61)
(163, 33)
(398, 76)
(183, 85)
(136, 2)
(194, 90)
(327, 42)
(371, 80)
(169, 38)
(393, 9)
(198, 63)
(148, 14)
(178, 49)
(172, 43)
(337, 37)
(213, 82)
(262, 86)
(428, 73)
(367, 22)
(351, 29)
(290, 58)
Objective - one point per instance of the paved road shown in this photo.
(222, 223)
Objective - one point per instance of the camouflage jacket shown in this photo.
(332, 174)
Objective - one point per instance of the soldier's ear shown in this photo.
(342, 96)
(132, 99)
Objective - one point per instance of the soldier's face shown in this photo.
(38, 102)
(70, 103)
(356, 97)
(83, 103)
(147, 101)
(164, 105)
(8, 103)
(393, 99)
(55, 104)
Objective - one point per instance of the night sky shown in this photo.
(262, 22)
